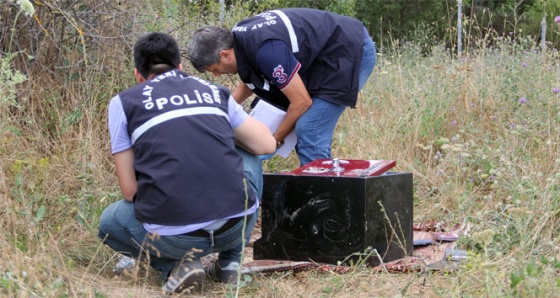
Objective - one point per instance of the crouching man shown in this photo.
(175, 141)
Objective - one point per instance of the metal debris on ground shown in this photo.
(434, 250)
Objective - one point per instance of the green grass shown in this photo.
(480, 156)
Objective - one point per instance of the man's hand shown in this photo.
(300, 101)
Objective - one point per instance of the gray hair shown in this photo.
(205, 46)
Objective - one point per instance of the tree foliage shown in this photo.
(426, 22)
(435, 21)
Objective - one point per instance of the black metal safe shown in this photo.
(337, 211)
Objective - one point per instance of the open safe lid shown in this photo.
(344, 167)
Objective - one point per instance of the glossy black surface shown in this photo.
(336, 219)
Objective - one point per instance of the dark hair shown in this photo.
(205, 46)
(156, 53)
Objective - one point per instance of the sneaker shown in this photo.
(185, 275)
(125, 264)
(227, 274)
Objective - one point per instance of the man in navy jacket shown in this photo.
(310, 63)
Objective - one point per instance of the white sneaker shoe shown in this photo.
(124, 264)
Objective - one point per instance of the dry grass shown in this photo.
(479, 133)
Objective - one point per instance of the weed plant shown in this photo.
(479, 132)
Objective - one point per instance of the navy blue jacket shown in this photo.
(186, 164)
(328, 46)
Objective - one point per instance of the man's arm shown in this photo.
(300, 101)
(255, 137)
(277, 62)
(241, 93)
(124, 161)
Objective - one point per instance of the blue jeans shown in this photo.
(369, 58)
(315, 128)
(119, 229)
(252, 168)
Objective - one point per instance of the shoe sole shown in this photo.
(194, 277)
